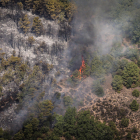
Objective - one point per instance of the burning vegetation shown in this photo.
(81, 70)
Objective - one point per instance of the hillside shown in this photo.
(69, 70)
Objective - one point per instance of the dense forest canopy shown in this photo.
(52, 9)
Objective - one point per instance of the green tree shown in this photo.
(28, 131)
(136, 93)
(39, 7)
(130, 71)
(35, 124)
(70, 11)
(28, 4)
(75, 77)
(44, 109)
(134, 105)
(117, 83)
(138, 63)
(19, 136)
(70, 115)
(53, 8)
(20, 5)
(129, 82)
(44, 129)
(5, 2)
(88, 128)
(24, 24)
(96, 67)
(37, 26)
(132, 54)
(31, 40)
(59, 122)
(1, 132)
(87, 69)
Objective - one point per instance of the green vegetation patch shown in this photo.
(97, 89)
(67, 100)
(136, 93)
(134, 105)
(124, 122)
(130, 74)
(117, 83)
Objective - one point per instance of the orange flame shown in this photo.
(82, 67)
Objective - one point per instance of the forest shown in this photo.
(42, 122)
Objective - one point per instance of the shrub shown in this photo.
(125, 122)
(128, 136)
(58, 95)
(57, 73)
(81, 103)
(67, 100)
(134, 130)
(135, 93)
(134, 106)
(97, 89)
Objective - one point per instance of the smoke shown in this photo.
(91, 32)
(94, 30)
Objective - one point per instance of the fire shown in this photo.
(82, 68)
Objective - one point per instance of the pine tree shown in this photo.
(70, 10)
(31, 40)
(53, 8)
(20, 5)
(5, 2)
(39, 7)
(24, 24)
(37, 27)
(28, 4)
